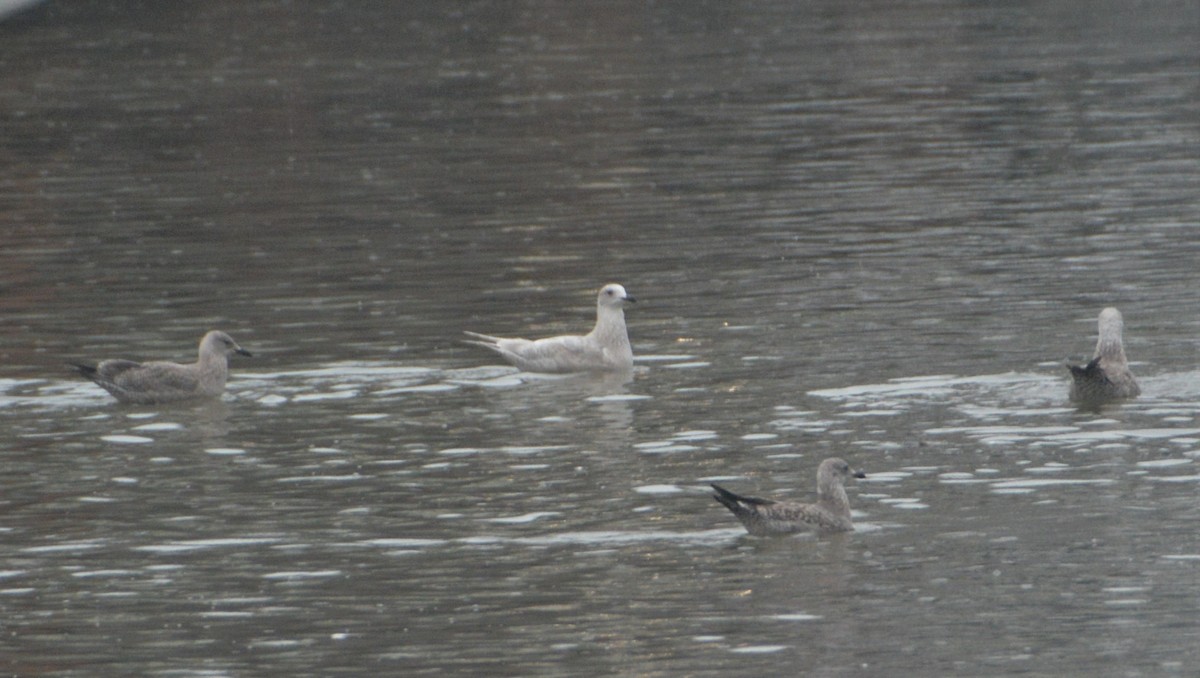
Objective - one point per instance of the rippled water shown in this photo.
(871, 230)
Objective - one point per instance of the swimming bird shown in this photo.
(605, 348)
(161, 382)
(831, 513)
(1106, 377)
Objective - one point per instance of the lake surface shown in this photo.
(874, 230)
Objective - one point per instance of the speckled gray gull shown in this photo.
(605, 348)
(1106, 377)
(831, 513)
(163, 382)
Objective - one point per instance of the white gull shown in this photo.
(605, 348)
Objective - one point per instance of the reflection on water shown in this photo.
(875, 231)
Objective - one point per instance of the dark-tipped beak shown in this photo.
(241, 351)
(630, 299)
(859, 474)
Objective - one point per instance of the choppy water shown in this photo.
(871, 230)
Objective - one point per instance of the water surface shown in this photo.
(870, 230)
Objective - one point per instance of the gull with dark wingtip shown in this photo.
(830, 513)
(605, 348)
(1107, 376)
(163, 382)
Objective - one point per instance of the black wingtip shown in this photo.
(724, 497)
(1092, 369)
(88, 371)
(731, 499)
(722, 492)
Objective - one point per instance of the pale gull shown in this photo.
(161, 382)
(1106, 377)
(605, 348)
(831, 513)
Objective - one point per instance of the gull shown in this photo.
(605, 348)
(1106, 377)
(162, 382)
(831, 513)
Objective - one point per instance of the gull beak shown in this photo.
(241, 351)
(629, 298)
(859, 474)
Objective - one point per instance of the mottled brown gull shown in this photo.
(605, 348)
(831, 513)
(162, 382)
(1106, 377)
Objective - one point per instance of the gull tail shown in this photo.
(484, 340)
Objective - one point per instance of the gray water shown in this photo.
(874, 229)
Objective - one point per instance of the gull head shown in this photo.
(1110, 345)
(835, 467)
(1111, 323)
(221, 344)
(613, 295)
